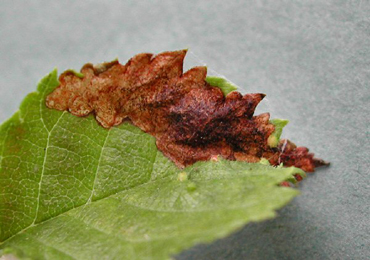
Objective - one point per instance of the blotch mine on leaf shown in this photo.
(191, 119)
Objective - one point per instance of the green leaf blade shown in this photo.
(70, 189)
(140, 230)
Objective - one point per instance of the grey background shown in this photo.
(311, 58)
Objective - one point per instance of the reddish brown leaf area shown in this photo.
(291, 155)
(190, 119)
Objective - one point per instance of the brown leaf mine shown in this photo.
(190, 119)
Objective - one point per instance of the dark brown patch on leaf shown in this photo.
(190, 119)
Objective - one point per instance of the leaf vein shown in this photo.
(43, 165)
(98, 167)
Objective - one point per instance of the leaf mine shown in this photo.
(190, 119)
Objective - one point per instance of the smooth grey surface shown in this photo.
(311, 58)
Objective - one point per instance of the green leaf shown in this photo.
(279, 124)
(70, 189)
(222, 83)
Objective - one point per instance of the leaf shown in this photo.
(279, 124)
(71, 189)
(190, 119)
(222, 83)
